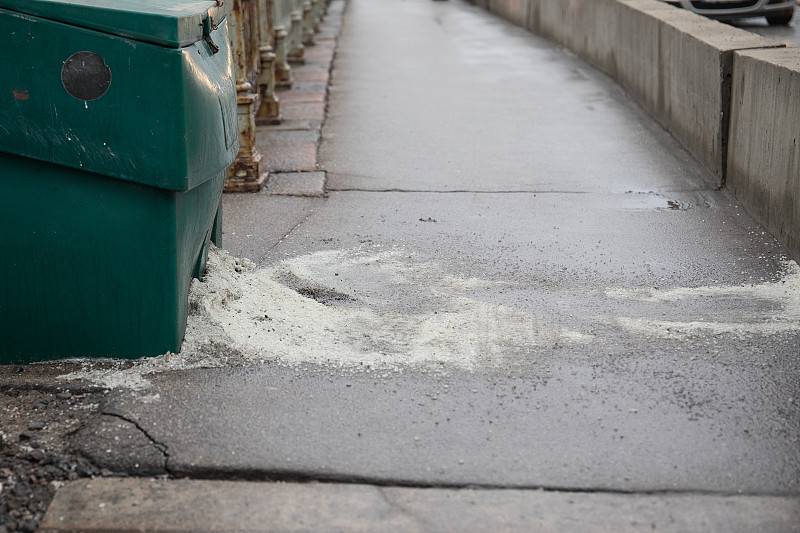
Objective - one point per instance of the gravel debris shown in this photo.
(35, 454)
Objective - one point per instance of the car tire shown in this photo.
(780, 18)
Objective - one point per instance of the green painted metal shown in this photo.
(111, 197)
(96, 267)
(173, 23)
(159, 123)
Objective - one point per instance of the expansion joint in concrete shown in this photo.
(453, 191)
(292, 230)
(280, 476)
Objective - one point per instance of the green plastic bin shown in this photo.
(117, 124)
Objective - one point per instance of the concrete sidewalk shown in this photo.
(520, 304)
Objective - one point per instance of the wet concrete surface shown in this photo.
(621, 420)
(591, 314)
(465, 109)
(665, 351)
(245, 230)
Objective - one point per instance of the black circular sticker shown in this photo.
(86, 76)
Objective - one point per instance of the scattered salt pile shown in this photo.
(373, 309)
(295, 313)
(303, 311)
(766, 308)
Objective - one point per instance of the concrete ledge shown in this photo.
(764, 149)
(687, 84)
(175, 506)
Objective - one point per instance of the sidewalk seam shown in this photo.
(277, 476)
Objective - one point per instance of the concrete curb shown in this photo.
(197, 506)
(679, 66)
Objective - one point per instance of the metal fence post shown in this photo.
(308, 24)
(297, 52)
(281, 15)
(269, 106)
(318, 12)
(245, 174)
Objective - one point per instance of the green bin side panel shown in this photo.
(173, 23)
(167, 119)
(96, 267)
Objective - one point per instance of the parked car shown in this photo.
(777, 12)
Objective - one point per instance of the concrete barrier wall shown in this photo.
(764, 146)
(679, 66)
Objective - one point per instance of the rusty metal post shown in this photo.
(308, 24)
(269, 107)
(245, 174)
(283, 71)
(297, 51)
(281, 16)
(318, 12)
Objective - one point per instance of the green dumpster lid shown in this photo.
(173, 23)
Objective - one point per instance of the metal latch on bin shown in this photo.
(208, 27)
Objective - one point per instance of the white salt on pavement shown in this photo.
(242, 316)
(779, 311)
(376, 309)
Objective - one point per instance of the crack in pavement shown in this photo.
(160, 446)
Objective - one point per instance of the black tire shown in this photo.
(781, 18)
